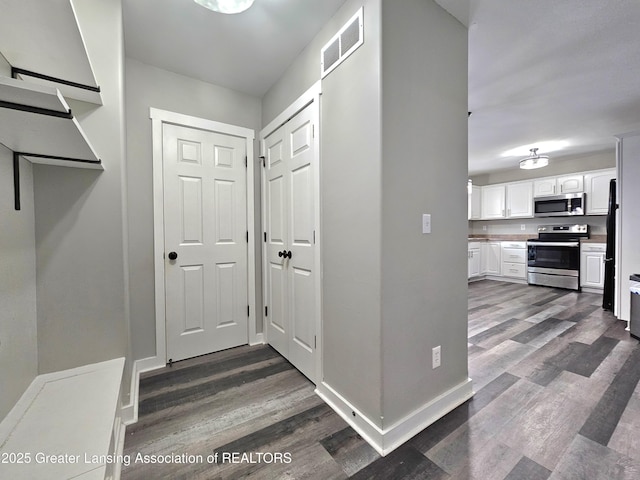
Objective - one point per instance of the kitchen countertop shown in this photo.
(524, 237)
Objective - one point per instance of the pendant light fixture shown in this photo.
(534, 160)
(226, 6)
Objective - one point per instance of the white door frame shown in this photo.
(158, 118)
(310, 97)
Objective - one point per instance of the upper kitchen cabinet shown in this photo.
(596, 186)
(558, 185)
(570, 184)
(511, 200)
(493, 202)
(43, 43)
(475, 203)
(520, 200)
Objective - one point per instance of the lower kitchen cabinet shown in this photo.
(491, 257)
(473, 254)
(514, 260)
(592, 265)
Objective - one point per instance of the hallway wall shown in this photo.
(18, 321)
(81, 262)
(148, 86)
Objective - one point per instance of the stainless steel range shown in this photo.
(554, 257)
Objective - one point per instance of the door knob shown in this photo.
(287, 254)
(173, 255)
(281, 254)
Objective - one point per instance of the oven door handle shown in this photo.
(554, 244)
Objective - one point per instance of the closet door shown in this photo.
(205, 245)
(290, 222)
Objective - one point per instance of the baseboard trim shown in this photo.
(597, 291)
(384, 441)
(258, 339)
(522, 281)
(130, 411)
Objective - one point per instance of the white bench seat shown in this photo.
(66, 425)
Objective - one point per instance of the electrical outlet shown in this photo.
(435, 357)
(523, 227)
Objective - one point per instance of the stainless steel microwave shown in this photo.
(559, 205)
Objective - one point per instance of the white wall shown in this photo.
(560, 165)
(351, 178)
(629, 201)
(148, 86)
(350, 174)
(393, 142)
(82, 315)
(18, 339)
(597, 224)
(424, 170)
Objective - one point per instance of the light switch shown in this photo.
(426, 223)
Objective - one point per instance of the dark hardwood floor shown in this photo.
(557, 396)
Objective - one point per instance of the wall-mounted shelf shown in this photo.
(37, 124)
(43, 43)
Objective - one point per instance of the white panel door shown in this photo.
(205, 241)
(290, 226)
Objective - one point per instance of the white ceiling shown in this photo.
(539, 71)
(246, 52)
(551, 70)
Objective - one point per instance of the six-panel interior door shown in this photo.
(290, 248)
(205, 226)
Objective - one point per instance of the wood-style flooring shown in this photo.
(557, 397)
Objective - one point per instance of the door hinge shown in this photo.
(264, 164)
(248, 310)
(247, 236)
(315, 342)
(313, 131)
(246, 162)
(314, 237)
(266, 311)
(265, 236)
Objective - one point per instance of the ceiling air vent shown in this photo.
(343, 44)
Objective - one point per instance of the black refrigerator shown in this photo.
(610, 256)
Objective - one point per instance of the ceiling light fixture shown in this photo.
(226, 6)
(534, 160)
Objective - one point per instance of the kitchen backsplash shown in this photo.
(514, 227)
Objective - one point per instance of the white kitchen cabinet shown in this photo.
(475, 202)
(544, 187)
(473, 254)
(558, 185)
(596, 186)
(514, 259)
(570, 184)
(592, 265)
(493, 202)
(491, 256)
(519, 200)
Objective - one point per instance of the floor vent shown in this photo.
(343, 44)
